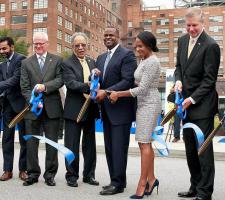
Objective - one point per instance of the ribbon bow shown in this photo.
(178, 101)
(35, 101)
(94, 85)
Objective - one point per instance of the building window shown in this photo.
(19, 32)
(179, 30)
(71, 13)
(162, 22)
(216, 18)
(178, 21)
(2, 7)
(66, 11)
(164, 59)
(19, 19)
(2, 21)
(13, 6)
(89, 12)
(68, 25)
(67, 49)
(163, 40)
(78, 28)
(40, 4)
(216, 29)
(59, 20)
(67, 37)
(129, 24)
(217, 37)
(164, 50)
(114, 6)
(60, 6)
(59, 48)
(85, 9)
(24, 5)
(162, 31)
(39, 18)
(59, 34)
(40, 30)
(80, 19)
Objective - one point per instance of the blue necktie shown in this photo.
(106, 62)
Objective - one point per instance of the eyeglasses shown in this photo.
(77, 46)
(39, 44)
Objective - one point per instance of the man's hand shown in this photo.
(113, 97)
(178, 86)
(96, 71)
(186, 103)
(40, 88)
(101, 94)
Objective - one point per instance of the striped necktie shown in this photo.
(41, 62)
(108, 57)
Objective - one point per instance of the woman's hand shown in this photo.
(113, 97)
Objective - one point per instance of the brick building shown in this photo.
(60, 19)
(167, 25)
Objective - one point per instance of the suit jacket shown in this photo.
(9, 82)
(119, 76)
(51, 77)
(198, 74)
(74, 81)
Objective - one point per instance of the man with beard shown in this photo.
(13, 103)
(117, 68)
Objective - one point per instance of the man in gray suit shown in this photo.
(42, 70)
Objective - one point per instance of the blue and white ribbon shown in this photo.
(198, 133)
(69, 155)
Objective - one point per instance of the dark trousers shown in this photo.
(50, 128)
(116, 138)
(8, 140)
(177, 121)
(202, 167)
(72, 141)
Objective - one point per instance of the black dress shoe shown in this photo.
(30, 181)
(90, 181)
(50, 181)
(112, 190)
(106, 186)
(72, 183)
(187, 194)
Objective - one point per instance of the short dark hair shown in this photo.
(116, 29)
(8, 39)
(149, 40)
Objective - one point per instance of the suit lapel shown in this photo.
(112, 60)
(4, 70)
(36, 66)
(195, 50)
(78, 67)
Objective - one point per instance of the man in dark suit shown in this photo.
(117, 67)
(76, 72)
(13, 103)
(42, 70)
(198, 60)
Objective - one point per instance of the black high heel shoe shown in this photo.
(155, 184)
(134, 196)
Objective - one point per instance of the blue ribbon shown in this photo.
(178, 101)
(198, 133)
(94, 86)
(69, 155)
(35, 101)
(157, 137)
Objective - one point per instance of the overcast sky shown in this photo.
(162, 3)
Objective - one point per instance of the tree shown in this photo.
(21, 46)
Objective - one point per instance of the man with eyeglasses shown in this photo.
(12, 103)
(76, 72)
(42, 70)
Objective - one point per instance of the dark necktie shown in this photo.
(7, 64)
